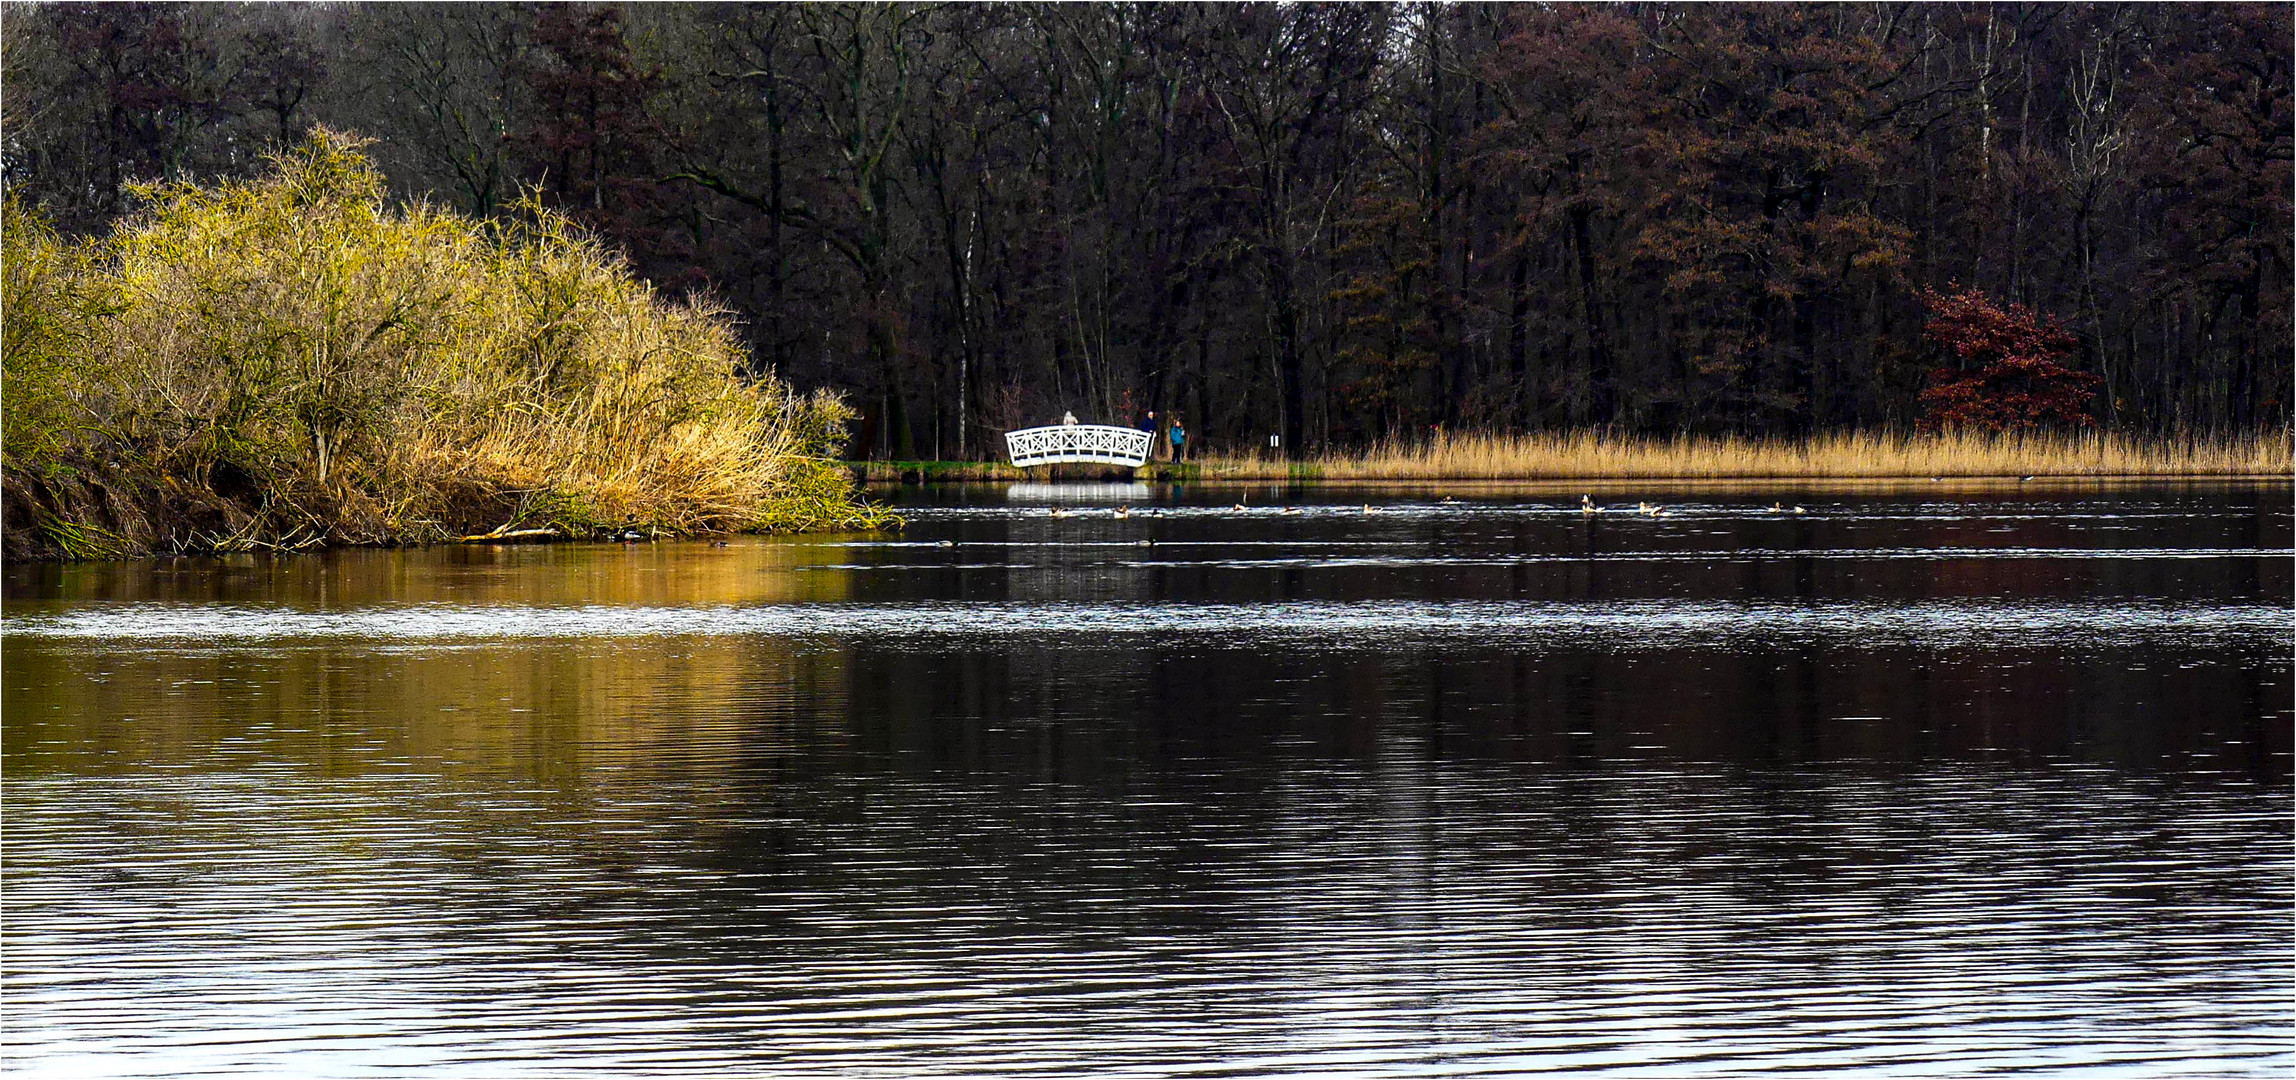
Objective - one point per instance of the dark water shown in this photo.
(1932, 781)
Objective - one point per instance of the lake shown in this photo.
(1928, 779)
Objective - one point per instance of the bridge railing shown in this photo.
(1100, 444)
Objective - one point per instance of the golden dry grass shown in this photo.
(1838, 456)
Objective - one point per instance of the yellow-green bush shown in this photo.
(345, 370)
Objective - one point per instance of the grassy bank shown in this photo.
(288, 362)
(932, 472)
(946, 472)
(1846, 456)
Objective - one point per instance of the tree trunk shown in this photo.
(1602, 404)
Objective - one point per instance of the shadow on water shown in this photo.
(1915, 781)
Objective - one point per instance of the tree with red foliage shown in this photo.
(2009, 376)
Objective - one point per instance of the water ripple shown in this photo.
(1626, 623)
(1895, 804)
(1384, 920)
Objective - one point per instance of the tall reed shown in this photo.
(1845, 455)
(291, 360)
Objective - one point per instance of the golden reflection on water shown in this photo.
(540, 709)
(748, 570)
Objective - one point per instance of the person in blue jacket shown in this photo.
(1179, 440)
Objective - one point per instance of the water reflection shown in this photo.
(841, 806)
(498, 576)
(1111, 494)
(1407, 914)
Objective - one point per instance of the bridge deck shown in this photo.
(1099, 444)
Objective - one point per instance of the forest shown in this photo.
(1333, 224)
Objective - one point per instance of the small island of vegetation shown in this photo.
(287, 361)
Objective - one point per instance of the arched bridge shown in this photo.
(1100, 444)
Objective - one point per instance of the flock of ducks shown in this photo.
(1587, 505)
(1126, 511)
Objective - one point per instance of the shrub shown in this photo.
(37, 413)
(364, 373)
(2011, 376)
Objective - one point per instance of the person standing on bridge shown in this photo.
(1068, 419)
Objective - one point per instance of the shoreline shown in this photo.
(1588, 458)
(998, 473)
(899, 474)
(124, 512)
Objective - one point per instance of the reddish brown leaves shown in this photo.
(2009, 376)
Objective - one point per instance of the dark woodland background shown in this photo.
(1338, 223)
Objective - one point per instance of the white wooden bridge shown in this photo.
(1099, 444)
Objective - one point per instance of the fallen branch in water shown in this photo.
(513, 534)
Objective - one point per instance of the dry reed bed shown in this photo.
(1839, 456)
